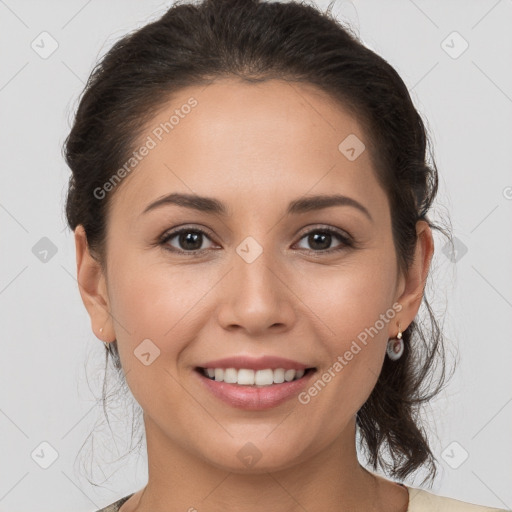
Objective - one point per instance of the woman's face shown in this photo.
(263, 282)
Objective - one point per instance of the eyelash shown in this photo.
(346, 241)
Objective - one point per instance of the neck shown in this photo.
(333, 479)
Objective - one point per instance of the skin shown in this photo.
(255, 147)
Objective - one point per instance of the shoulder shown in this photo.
(421, 500)
(114, 507)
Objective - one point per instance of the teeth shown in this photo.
(230, 375)
(289, 375)
(264, 378)
(247, 377)
(279, 376)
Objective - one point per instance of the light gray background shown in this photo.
(46, 335)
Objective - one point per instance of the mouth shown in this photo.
(255, 378)
(254, 390)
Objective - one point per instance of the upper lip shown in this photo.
(255, 363)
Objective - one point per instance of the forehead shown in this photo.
(233, 139)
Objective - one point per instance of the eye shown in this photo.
(321, 239)
(189, 240)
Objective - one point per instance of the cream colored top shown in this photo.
(420, 500)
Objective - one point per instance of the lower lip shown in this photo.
(253, 397)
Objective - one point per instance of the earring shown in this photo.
(107, 345)
(395, 347)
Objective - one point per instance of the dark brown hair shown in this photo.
(193, 44)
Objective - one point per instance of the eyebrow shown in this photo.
(214, 206)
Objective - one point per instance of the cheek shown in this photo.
(356, 305)
(350, 298)
(152, 301)
(147, 292)
(155, 311)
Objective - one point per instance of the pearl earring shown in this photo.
(106, 343)
(395, 347)
(107, 347)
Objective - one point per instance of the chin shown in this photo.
(262, 455)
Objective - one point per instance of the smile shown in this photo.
(254, 390)
(249, 377)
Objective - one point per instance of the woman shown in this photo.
(211, 151)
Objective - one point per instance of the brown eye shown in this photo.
(320, 240)
(187, 239)
(190, 240)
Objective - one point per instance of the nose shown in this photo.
(256, 297)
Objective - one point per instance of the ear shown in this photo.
(93, 289)
(413, 282)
